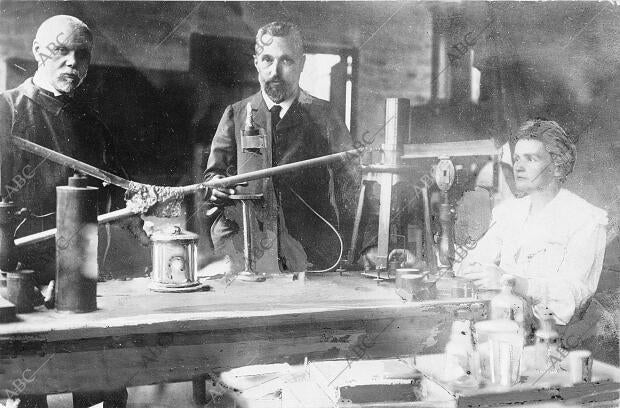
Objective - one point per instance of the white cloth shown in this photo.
(559, 250)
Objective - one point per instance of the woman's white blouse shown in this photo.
(559, 250)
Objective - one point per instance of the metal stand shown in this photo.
(386, 180)
(248, 274)
(387, 175)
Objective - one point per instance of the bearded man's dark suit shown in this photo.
(310, 128)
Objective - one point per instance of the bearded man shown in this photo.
(297, 126)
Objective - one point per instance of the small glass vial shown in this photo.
(507, 305)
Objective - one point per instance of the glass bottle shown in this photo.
(547, 342)
(507, 305)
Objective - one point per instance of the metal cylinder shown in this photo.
(76, 246)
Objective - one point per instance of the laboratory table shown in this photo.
(139, 337)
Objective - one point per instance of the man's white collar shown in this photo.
(286, 105)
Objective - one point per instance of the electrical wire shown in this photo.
(41, 216)
(29, 216)
(330, 226)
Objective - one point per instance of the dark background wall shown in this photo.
(162, 111)
(559, 60)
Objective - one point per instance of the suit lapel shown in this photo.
(261, 113)
(295, 117)
(291, 130)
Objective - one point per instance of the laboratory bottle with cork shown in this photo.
(547, 341)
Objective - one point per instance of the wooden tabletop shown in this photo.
(130, 305)
(139, 337)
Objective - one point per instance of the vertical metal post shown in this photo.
(247, 237)
(356, 223)
(248, 274)
(431, 261)
(397, 111)
(435, 56)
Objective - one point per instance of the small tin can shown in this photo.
(174, 261)
(413, 285)
(20, 290)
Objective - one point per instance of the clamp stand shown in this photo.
(248, 274)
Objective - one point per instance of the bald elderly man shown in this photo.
(44, 110)
(550, 239)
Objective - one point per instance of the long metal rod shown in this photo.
(70, 162)
(282, 169)
(51, 233)
(223, 182)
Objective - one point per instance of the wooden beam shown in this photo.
(485, 147)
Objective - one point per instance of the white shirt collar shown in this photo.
(285, 104)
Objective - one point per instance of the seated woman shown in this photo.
(550, 239)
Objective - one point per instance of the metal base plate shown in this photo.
(382, 275)
(177, 288)
(246, 276)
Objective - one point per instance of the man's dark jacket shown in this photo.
(61, 124)
(310, 128)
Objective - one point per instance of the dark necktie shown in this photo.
(275, 119)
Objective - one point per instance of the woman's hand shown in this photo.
(484, 276)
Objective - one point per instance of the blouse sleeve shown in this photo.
(578, 274)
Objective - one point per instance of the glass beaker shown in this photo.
(505, 353)
(499, 344)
